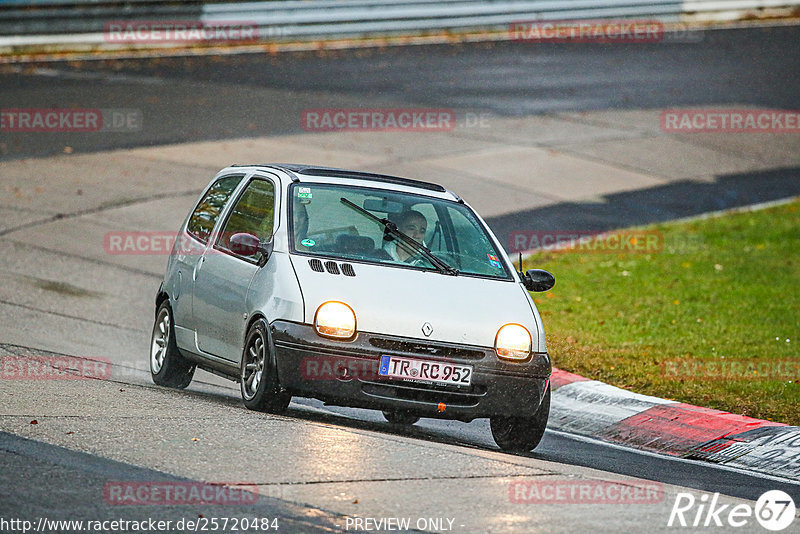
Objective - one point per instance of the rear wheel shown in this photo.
(400, 418)
(521, 434)
(167, 366)
(259, 375)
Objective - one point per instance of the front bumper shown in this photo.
(346, 373)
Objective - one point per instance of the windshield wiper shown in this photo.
(392, 228)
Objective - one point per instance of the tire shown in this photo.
(258, 378)
(167, 366)
(400, 418)
(521, 434)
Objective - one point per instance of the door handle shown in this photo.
(197, 267)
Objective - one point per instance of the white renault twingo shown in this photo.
(358, 289)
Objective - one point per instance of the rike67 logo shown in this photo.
(775, 510)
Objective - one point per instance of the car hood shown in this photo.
(398, 301)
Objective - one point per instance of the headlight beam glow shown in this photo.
(513, 342)
(335, 319)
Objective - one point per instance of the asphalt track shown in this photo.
(250, 95)
(253, 95)
(44, 480)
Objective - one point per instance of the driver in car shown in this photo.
(412, 223)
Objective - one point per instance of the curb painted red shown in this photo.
(679, 428)
(673, 428)
(561, 378)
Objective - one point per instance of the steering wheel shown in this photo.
(417, 260)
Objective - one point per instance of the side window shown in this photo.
(252, 214)
(475, 251)
(204, 216)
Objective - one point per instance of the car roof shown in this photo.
(331, 172)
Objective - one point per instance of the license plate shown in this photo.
(425, 371)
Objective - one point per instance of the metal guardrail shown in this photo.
(62, 17)
(352, 17)
(53, 21)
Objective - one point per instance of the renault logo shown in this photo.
(427, 329)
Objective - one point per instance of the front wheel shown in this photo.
(259, 375)
(521, 434)
(167, 366)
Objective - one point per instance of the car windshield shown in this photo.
(323, 224)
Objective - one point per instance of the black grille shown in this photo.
(427, 349)
(332, 267)
(316, 265)
(347, 269)
(423, 393)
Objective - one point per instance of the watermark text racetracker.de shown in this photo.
(322, 367)
(602, 31)
(390, 120)
(43, 367)
(627, 241)
(572, 491)
(161, 243)
(166, 242)
(104, 526)
(184, 31)
(161, 493)
(730, 121)
(63, 120)
(586, 31)
(150, 243)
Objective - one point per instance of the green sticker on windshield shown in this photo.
(308, 242)
(304, 192)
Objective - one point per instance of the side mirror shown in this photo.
(249, 245)
(538, 280)
(244, 244)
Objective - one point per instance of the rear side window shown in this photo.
(253, 214)
(204, 216)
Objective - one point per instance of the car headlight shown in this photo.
(335, 319)
(513, 342)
